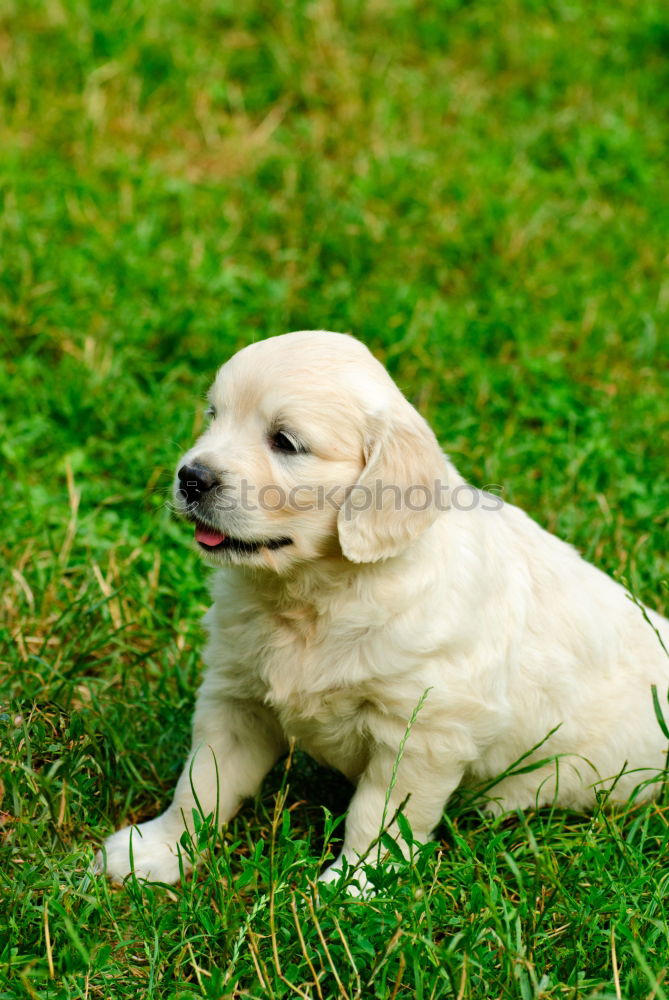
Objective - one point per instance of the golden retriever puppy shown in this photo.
(359, 583)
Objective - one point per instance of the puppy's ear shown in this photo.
(396, 496)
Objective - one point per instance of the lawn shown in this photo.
(478, 190)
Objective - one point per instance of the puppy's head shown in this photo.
(311, 450)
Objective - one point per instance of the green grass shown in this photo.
(479, 190)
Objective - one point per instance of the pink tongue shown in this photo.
(208, 537)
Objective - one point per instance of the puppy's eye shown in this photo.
(285, 442)
(210, 412)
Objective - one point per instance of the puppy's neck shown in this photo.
(313, 585)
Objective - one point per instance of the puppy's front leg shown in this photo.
(235, 744)
(421, 786)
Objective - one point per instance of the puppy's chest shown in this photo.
(317, 680)
(331, 727)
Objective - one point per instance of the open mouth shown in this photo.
(215, 541)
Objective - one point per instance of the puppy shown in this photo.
(365, 596)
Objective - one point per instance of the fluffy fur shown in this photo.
(334, 638)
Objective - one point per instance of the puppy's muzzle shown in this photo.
(196, 481)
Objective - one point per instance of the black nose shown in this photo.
(196, 480)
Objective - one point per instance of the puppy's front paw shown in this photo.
(359, 885)
(150, 850)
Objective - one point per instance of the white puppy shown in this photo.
(358, 576)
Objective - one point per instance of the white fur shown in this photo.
(334, 640)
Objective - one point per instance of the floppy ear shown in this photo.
(395, 497)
